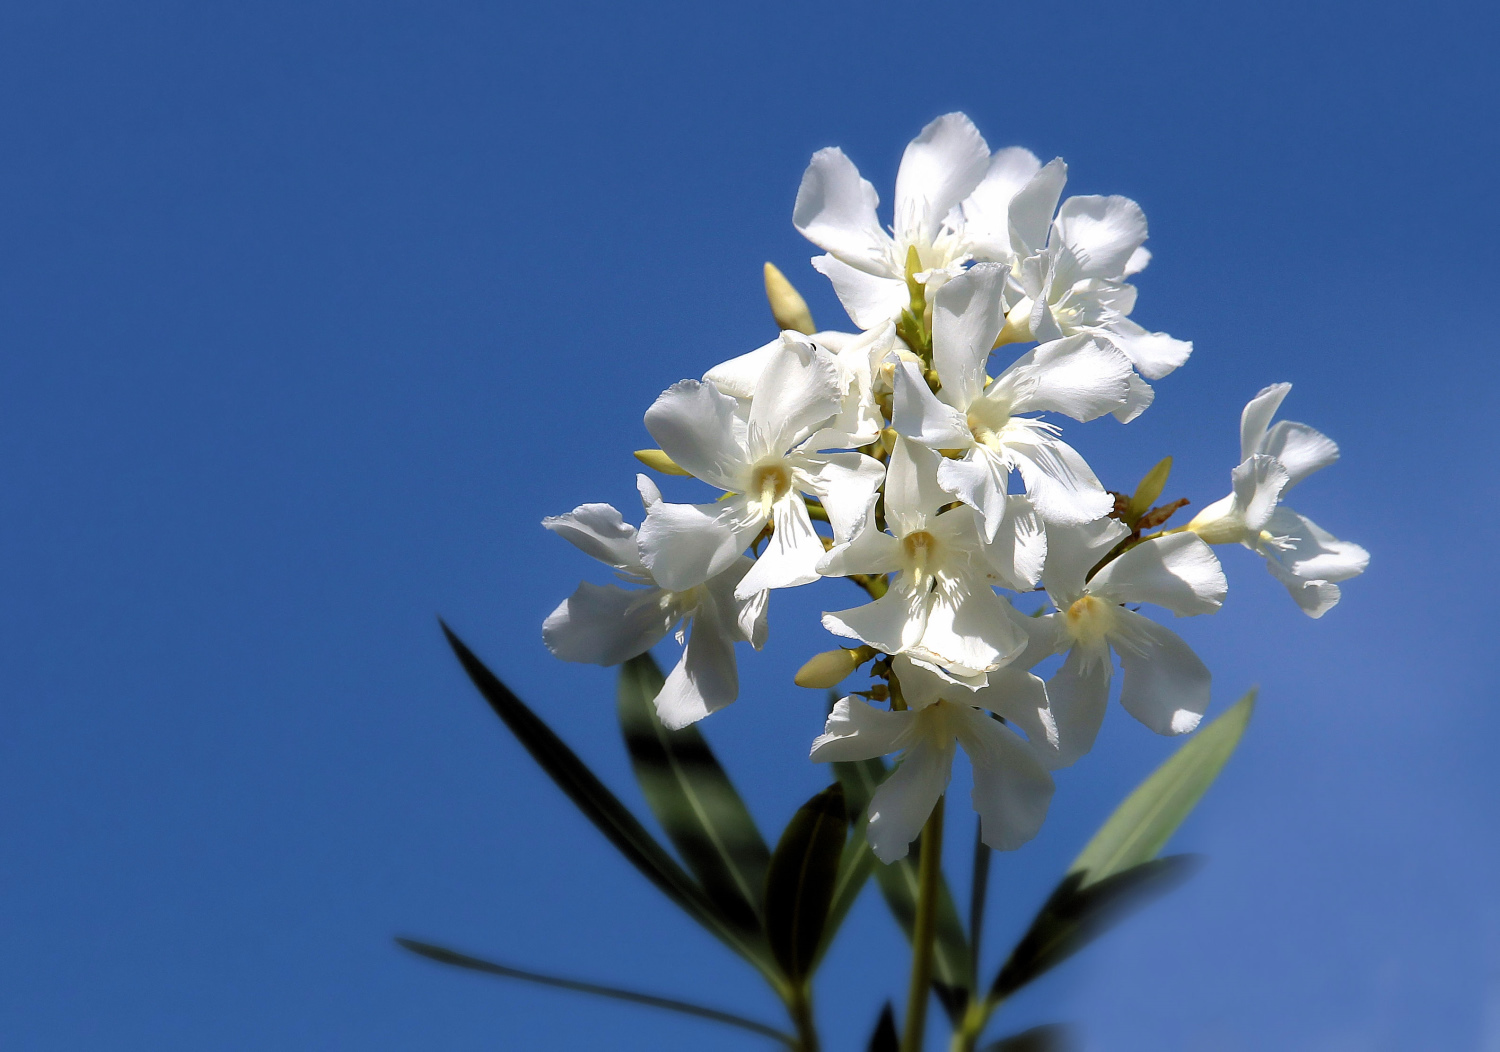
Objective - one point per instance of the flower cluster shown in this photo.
(893, 458)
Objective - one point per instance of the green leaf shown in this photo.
(1077, 913)
(1150, 488)
(694, 800)
(1142, 824)
(800, 881)
(604, 809)
(952, 975)
(855, 865)
(885, 1038)
(671, 1004)
(1051, 1037)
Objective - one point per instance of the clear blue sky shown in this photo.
(310, 312)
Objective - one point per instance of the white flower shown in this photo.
(1012, 788)
(605, 625)
(954, 203)
(1166, 685)
(1301, 555)
(766, 458)
(1076, 284)
(863, 362)
(1081, 376)
(940, 607)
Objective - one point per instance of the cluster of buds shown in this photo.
(891, 456)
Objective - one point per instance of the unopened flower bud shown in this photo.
(656, 460)
(787, 305)
(829, 668)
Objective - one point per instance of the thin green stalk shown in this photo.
(978, 890)
(923, 928)
(799, 1006)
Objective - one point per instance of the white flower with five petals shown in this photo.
(1012, 788)
(1300, 554)
(1081, 376)
(940, 607)
(1166, 685)
(607, 624)
(765, 457)
(953, 204)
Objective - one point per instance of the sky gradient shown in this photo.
(311, 312)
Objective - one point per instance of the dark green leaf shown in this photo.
(855, 864)
(1147, 818)
(800, 881)
(461, 960)
(693, 800)
(952, 973)
(601, 807)
(885, 1038)
(1077, 913)
(1052, 1037)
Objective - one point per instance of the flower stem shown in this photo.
(923, 929)
(799, 1006)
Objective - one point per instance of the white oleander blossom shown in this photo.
(864, 362)
(954, 203)
(607, 624)
(1303, 556)
(1012, 788)
(766, 455)
(1081, 376)
(940, 607)
(1166, 685)
(1075, 284)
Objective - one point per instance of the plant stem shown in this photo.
(923, 929)
(966, 1034)
(799, 1006)
(978, 891)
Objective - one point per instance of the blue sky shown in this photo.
(311, 311)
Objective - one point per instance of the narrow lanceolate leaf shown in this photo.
(671, 1004)
(855, 865)
(694, 800)
(1051, 1037)
(604, 809)
(952, 974)
(885, 1038)
(800, 881)
(1147, 818)
(1077, 913)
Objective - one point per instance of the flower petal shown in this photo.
(684, 545)
(1060, 484)
(697, 425)
(1082, 376)
(892, 623)
(1301, 449)
(918, 414)
(606, 624)
(968, 313)
(1012, 790)
(1256, 418)
(1178, 572)
(1137, 400)
(599, 530)
(1258, 485)
(971, 630)
(870, 299)
(706, 679)
(835, 210)
(1032, 208)
(1072, 551)
(939, 168)
(900, 807)
(1018, 550)
(845, 483)
(1314, 597)
(1313, 553)
(868, 550)
(791, 554)
(1102, 233)
(797, 392)
(1166, 685)
(1022, 699)
(1154, 354)
(912, 493)
(1078, 693)
(857, 730)
(738, 376)
(979, 480)
(987, 208)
